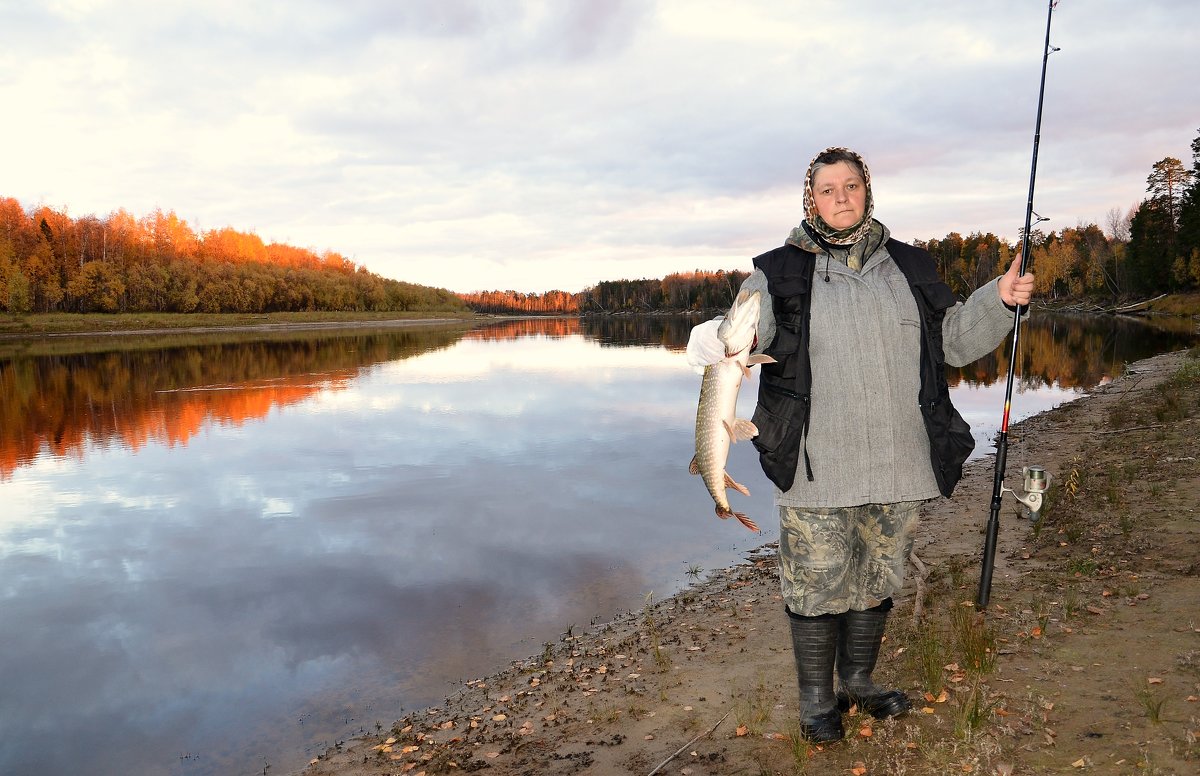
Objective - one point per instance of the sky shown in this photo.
(552, 144)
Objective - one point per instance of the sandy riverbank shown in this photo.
(1088, 658)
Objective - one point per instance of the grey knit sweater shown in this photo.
(866, 440)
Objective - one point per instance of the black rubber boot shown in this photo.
(814, 643)
(859, 638)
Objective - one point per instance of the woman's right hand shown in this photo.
(704, 347)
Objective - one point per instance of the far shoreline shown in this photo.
(108, 324)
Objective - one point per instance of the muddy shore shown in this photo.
(1087, 659)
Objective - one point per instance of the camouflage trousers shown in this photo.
(837, 559)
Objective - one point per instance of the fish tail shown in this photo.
(725, 514)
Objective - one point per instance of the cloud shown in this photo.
(536, 145)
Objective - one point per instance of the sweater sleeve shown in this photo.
(766, 311)
(976, 327)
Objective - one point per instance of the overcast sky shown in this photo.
(538, 144)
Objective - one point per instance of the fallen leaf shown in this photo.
(648, 737)
(929, 697)
(1082, 761)
(448, 724)
(492, 755)
(942, 696)
(911, 745)
(741, 731)
(1192, 699)
(499, 718)
(1095, 610)
(865, 731)
(859, 769)
(391, 740)
(409, 749)
(1154, 680)
(1036, 633)
(927, 709)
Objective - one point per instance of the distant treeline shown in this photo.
(683, 291)
(50, 262)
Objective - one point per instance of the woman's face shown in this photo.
(839, 194)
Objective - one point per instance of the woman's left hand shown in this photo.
(1016, 289)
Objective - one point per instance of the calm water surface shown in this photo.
(219, 555)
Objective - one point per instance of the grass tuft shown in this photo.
(975, 639)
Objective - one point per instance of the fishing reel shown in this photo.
(1037, 481)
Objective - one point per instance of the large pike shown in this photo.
(717, 424)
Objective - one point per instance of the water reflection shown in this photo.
(227, 556)
(64, 403)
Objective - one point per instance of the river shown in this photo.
(223, 554)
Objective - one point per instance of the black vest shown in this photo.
(785, 387)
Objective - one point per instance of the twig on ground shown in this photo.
(658, 767)
(922, 574)
(1110, 431)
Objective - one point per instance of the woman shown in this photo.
(855, 424)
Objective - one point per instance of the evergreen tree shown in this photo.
(1189, 221)
(1154, 232)
(1151, 247)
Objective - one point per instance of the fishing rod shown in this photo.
(1036, 480)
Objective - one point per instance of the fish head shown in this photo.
(740, 325)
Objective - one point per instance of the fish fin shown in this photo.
(739, 487)
(745, 371)
(742, 429)
(747, 522)
(762, 358)
(693, 467)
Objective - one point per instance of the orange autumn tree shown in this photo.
(50, 262)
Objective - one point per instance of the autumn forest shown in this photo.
(50, 262)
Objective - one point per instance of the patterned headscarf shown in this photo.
(851, 234)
